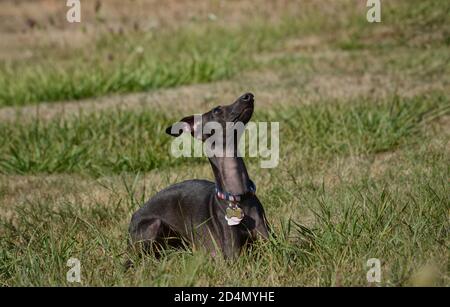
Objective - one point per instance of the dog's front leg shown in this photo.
(261, 231)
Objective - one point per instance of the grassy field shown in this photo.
(364, 112)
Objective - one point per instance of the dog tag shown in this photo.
(234, 215)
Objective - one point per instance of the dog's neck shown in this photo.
(230, 174)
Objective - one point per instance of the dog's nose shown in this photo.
(247, 97)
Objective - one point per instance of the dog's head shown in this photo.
(202, 126)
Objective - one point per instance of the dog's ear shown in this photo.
(186, 124)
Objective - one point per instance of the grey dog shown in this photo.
(222, 216)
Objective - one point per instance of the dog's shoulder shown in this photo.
(189, 187)
(194, 185)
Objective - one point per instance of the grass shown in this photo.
(402, 222)
(136, 142)
(193, 55)
(364, 160)
(198, 54)
(391, 217)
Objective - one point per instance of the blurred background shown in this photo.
(137, 45)
(364, 135)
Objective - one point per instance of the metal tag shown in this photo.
(234, 215)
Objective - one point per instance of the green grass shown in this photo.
(202, 53)
(136, 141)
(402, 220)
(325, 231)
(191, 55)
(133, 141)
(359, 178)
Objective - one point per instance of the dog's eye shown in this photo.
(217, 110)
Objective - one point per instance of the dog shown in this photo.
(223, 216)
